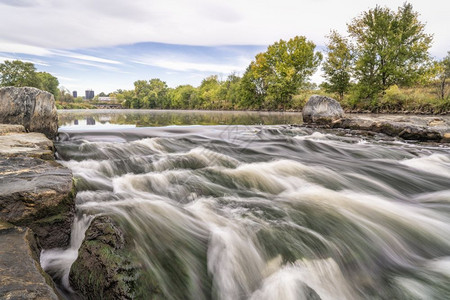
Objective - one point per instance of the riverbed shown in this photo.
(250, 207)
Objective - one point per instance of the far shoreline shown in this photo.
(347, 111)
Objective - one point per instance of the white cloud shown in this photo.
(183, 65)
(64, 78)
(69, 24)
(85, 57)
(10, 47)
(35, 62)
(93, 64)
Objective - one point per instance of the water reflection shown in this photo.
(150, 118)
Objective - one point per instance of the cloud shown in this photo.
(95, 65)
(20, 3)
(85, 57)
(9, 47)
(180, 64)
(68, 24)
(35, 62)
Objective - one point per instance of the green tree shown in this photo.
(63, 95)
(390, 47)
(252, 89)
(209, 91)
(337, 67)
(158, 94)
(18, 73)
(183, 96)
(229, 91)
(126, 97)
(281, 71)
(443, 74)
(48, 82)
(150, 94)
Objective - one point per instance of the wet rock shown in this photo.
(321, 110)
(21, 276)
(436, 122)
(104, 268)
(35, 190)
(39, 194)
(408, 128)
(446, 137)
(30, 107)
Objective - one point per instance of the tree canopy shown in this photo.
(281, 71)
(391, 48)
(20, 74)
(338, 65)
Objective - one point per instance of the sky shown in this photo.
(106, 45)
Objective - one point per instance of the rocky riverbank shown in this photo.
(36, 193)
(326, 112)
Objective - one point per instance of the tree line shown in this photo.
(18, 73)
(383, 53)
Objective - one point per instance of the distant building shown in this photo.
(89, 94)
(74, 94)
(90, 121)
(106, 99)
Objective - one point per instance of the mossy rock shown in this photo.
(105, 268)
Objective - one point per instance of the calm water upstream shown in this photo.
(272, 211)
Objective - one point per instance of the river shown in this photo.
(272, 211)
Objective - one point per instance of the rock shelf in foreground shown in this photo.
(21, 276)
(36, 211)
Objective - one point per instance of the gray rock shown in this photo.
(35, 190)
(30, 107)
(405, 127)
(39, 194)
(11, 128)
(105, 255)
(321, 110)
(21, 276)
(26, 144)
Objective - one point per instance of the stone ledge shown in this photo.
(11, 128)
(21, 276)
(408, 128)
(26, 144)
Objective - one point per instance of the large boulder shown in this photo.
(30, 107)
(322, 110)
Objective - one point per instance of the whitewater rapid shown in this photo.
(268, 212)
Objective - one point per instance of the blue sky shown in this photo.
(108, 44)
(110, 68)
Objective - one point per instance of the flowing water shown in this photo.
(267, 211)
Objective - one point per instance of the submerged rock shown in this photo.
(105, 269)
(21, 276)
(30, 107)
(321, 110)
